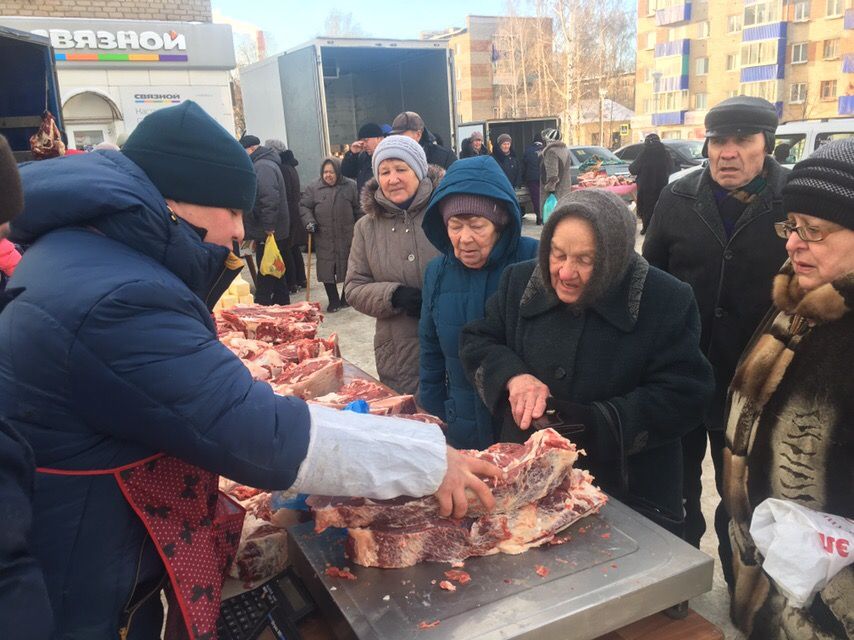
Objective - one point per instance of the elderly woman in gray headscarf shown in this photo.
(594, 332)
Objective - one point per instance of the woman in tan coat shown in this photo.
(329, 208)
(389, 254)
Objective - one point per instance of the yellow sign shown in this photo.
(624, 129)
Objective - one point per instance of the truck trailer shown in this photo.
(316, 96)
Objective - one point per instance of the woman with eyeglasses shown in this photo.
(790, 426)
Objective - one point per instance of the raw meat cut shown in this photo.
(263, 551)
(445, 540)
(310, 378)
(306, 348)
(274, 323)
(531, 471)
(358, 389)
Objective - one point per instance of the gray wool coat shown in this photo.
(390, 250)
(334, 211)
(554, 171)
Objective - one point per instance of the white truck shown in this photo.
(316, 96)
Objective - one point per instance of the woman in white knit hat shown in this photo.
(389, 254)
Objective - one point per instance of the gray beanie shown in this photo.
(614, 229)
(400, 148)
(504, 137)
(823, 184)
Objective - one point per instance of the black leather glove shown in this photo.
(408, 299)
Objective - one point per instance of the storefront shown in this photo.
(112, 73)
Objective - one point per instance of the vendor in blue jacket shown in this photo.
(111, 370)
(475, 220)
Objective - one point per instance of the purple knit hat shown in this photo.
(469, 204)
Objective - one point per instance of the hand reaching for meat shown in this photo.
(462, 474)
(527, 399)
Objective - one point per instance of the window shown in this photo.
(834, 8)
(700, 101)
(755, 53)
(702, 66)
(733, 23)
(831, 49)
(731, 61)
(762, 13)
(802, 10)
(650, 40)
(799, 53)
(798, 93)
(828, 89)
(766, 89)
(796, 141)
(824, 138)
(732, 94)
(703, 29)
(672, 135)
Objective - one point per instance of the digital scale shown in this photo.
(268, 612)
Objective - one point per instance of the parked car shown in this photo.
(802, 136)
(582, 153)
(685, 153)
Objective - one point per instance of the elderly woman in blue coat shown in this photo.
(475, 221)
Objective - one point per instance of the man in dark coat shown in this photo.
(297, 236)
(411, 124)
(653, 168)
(714, 230)
(473, 146)
(357, 160)
(531, 160)
(24, 606)
(110, 355)
(506, 158)
(270, 215)
(613, 341)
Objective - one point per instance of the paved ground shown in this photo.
(355, 332)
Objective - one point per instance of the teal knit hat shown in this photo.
(191, 158)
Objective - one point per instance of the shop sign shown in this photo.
(110, 40)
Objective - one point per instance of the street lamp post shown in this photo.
(602, 116)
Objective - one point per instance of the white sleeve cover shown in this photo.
(367, 456)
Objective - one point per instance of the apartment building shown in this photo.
(798, 54)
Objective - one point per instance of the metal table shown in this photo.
(616, 568)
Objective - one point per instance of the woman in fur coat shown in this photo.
(790, 426)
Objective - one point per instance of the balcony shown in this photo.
(771, 31)
(673, 83)
(848, 63)
(669, 118)
(673, 48)
(849, 18)
(673, 15)
(846, 105)
(763, 72)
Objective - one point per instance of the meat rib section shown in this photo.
(540, 494)
(531, 471)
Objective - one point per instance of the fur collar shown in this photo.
(370, 191)
(825, 304)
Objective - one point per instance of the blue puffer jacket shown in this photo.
(454, 295)
(109, 354)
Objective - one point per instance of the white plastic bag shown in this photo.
(803, 549)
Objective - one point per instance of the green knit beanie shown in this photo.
(191, 158)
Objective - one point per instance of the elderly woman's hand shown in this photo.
(527, 399)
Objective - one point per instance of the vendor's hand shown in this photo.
(462, 474)
(527, 399)
(357, 147)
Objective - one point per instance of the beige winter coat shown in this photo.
(389, 250)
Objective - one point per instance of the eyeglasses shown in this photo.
(805, 233)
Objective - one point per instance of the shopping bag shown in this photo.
(272, 263)
(803, 549)
(549, 206)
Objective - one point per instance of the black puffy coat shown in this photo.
(531, 160)
(357, 166)
(436, 154)
(510, 165)
(653, 168)
(731, 278)
(637, 348)
(271, 200)
(298, 236)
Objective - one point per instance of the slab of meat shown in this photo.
(444, 540)
(310, 378)
(531, 472)
(358, 389)
(263, 551)
(263, 362)
(274, 323)
(305, 348)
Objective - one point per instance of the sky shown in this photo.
(292, 22)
